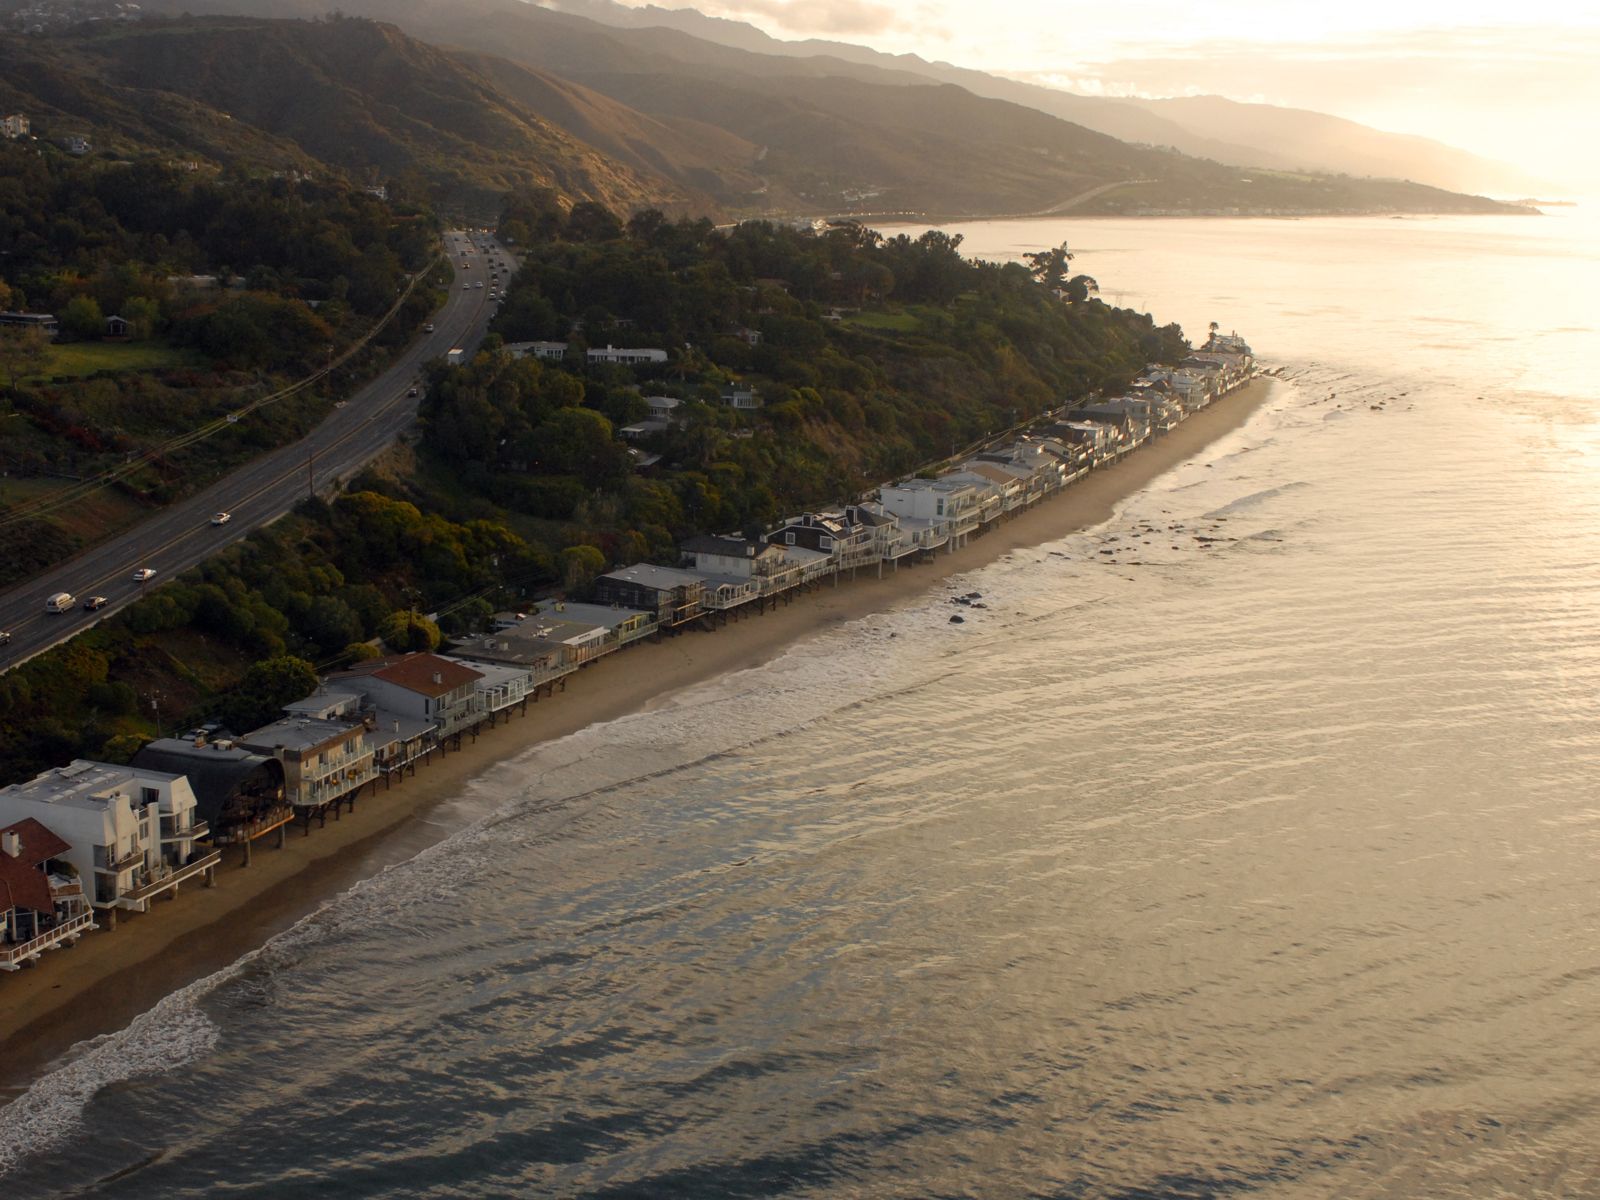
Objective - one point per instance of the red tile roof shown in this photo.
(23, 883)
(426, 674)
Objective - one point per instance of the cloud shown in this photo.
(833, 17)
(1523, 94)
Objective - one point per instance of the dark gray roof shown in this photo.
(214, 773)
(735, 547)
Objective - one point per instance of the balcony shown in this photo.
(115, 865)
(199, 829)
(244, 832)
(170, 877)
(14, 956)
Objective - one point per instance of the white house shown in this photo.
(498, 686)
(131, 833)
(550, 351)
(741, 396)
(949, 508)
(15, 125)
(627, 355)
(743, 558)
(424, 686)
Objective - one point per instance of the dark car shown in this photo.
(94, 602)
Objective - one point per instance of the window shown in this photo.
(826, 543)
(788, 539)
(149, 795)
(940, 509)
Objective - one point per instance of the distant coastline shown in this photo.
(111, 978)
(1501, 209)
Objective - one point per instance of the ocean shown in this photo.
(1247, 844)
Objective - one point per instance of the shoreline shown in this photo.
(111, 977)
(938, 220)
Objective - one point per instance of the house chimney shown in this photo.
(11, 844)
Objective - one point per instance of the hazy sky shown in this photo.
(1516, 81)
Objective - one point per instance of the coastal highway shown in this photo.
(182, 534)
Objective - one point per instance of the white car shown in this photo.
(221, 518)
(144, 573)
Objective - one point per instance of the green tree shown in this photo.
(121, 747)
(406, 630)
(82, 318)
(590, 221)
(266, 687)
(357, 652)
(580, 564)
(141, 313)
(22, 352)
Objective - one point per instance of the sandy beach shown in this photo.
(110, 977)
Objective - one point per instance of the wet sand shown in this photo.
(110, 977)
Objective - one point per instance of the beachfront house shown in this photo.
(988, 496)
(1095, 439)
(397, 740)
(740, 569)
(1123, 430)
(669, 595)
(1187, 388)
(1009, 483)
(575, 633)
(847, 544)
(131, 833)
(542, 661)
(745, 558)
(945, 512)
(881, 530)
(499, 687)
(239, 793)
(622, 625)
(42, 904)
(326, 761)
(1209, 372)
(422, 686)
(1069, 460)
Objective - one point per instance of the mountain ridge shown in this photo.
(1226, 135)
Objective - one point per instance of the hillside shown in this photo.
(838, 137)
(361, 98)
(1239, 134)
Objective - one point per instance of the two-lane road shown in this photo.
(182, 534)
